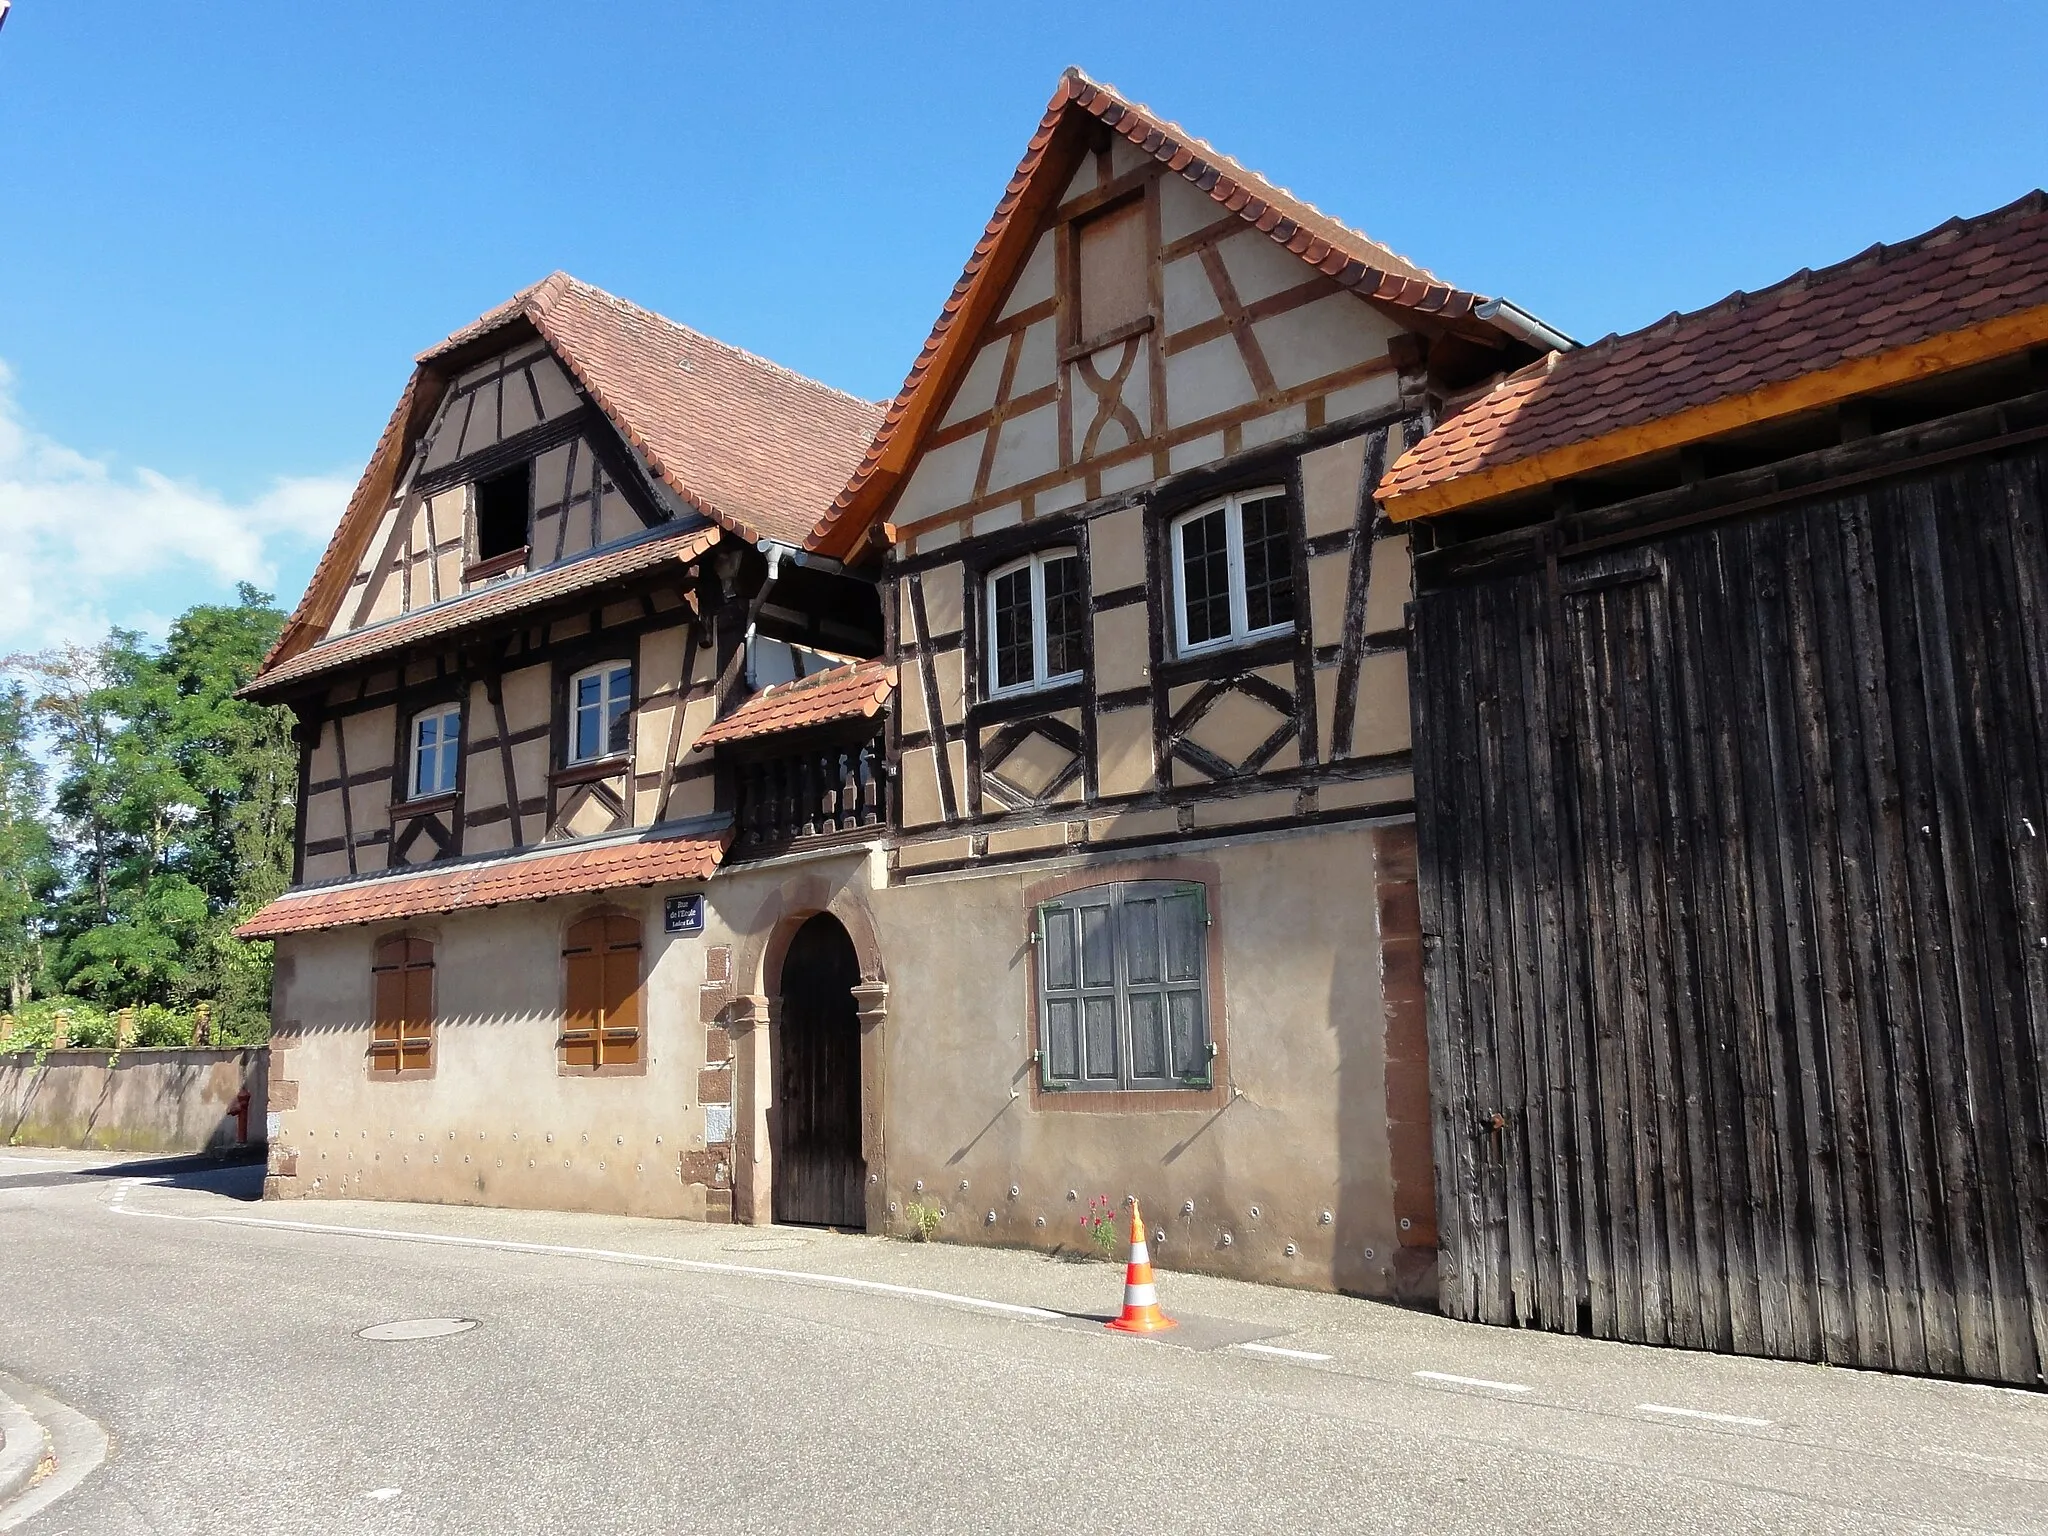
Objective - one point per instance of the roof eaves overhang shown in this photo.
(1936, 355)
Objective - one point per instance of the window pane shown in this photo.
(1064, 616)
(1062, 1040)
(451, 750)
(586, 726)
(1141, 940)
(1098, 957)
(1099, 1017)
(1268, 564)
(1059, 949)
(1013, 628)
(1205, 577)
(1190, 1034)
(423, 771)
(1148, 1036)
(1181, 917)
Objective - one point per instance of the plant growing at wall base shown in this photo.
(1098, 1225)
(924, 1220)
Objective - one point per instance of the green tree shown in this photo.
(28, 868)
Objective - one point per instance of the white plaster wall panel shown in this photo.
(1273, 426)
(526, 697)
(570, 628)
(1242, 808)
(1195, 452)
(935, 538)
(1328, 577)
(1123, 751)
(387, 596)
(557, 395)
(944, 593)
(481, 430)
(1128, 475)
(1206, 381)
(1348, 794)
(1134, 394)
(585, 815)
(1336, 332)
(625, 611)
(921, 804)
(1184, 207)
(547, 536)
(530, 768)
(326, 763)
(694, 797)
(1287, 757)
(370, 738)
(1330, 488)
(379, 541)
(1037, 359)
(369, 807)
(949, 671)
(516, 406)
(1122, 653)
(1124, 156)
(1164, 822)
(1083, 180)
(650, 738)
(1008, 515)
(943, 478)
(1116, 551)
(1381, 724)
(697, 718)
(323, 817)
(940, 850)
(446, 432)
(617, 519)
(551, 473)
(1028, 448)
(1366, 397)
(371, 857)
(660, 661)
(1183, 774)
(1057, 498)
(483, 780)
(1258, 268)
(325, 866)
(418, 672)
(910, 700)
(490, 837)
(1190, 296)
(1234, 726)
(1022, 839)
(1392, 584)
(977, 390)
(1034, 278)
(449, 567)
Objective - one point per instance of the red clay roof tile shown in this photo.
(850, 692)
(672, 544)
(1963, 273)
(514, 877)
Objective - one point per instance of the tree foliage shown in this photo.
(164, 818)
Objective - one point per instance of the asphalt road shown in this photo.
(637, 1376)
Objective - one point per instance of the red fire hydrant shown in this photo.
(240, 1110)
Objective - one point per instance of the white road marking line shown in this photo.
(1474, 1381)
(1696, 1413)
(652, 1260)
(1285, 1354)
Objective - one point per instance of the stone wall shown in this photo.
(137, 1100)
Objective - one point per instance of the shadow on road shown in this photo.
(236, 1175)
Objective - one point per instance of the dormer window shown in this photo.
(503, 505)
(601, 712)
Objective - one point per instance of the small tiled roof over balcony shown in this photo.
(855, 691)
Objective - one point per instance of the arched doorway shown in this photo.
(819, 1176)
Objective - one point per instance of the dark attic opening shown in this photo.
(501, 508)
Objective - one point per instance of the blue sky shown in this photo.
(225, 228)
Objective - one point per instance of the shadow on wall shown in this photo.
(138, 1100)
(1383, 1084)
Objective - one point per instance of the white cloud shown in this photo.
(84, 545)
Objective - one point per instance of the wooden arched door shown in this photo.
(819, 1174)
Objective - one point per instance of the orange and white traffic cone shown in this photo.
(1141, 1312)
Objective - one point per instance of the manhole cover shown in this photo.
(418, 1328)
(768, 1245)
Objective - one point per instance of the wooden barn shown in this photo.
(1730, 680)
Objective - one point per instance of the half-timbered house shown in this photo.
(726, 798)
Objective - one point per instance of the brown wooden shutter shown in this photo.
(584, 957)
(402, 1038)
(621, 991)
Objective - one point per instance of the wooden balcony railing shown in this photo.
(819, 792)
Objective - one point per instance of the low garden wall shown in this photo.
(143, 1099)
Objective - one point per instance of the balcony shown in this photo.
(824, 793)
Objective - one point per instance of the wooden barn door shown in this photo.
(819, 1174)
(1734, 874)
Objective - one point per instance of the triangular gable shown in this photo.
(757, 448)
(1078, 109)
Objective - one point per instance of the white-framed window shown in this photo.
(1036, 610)
(436, 751)
(1234, 566)
(600, 712)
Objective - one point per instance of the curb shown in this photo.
(23, 1445)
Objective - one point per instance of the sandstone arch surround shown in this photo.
(753, 1020)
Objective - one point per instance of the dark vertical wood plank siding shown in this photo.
(1733, 853)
